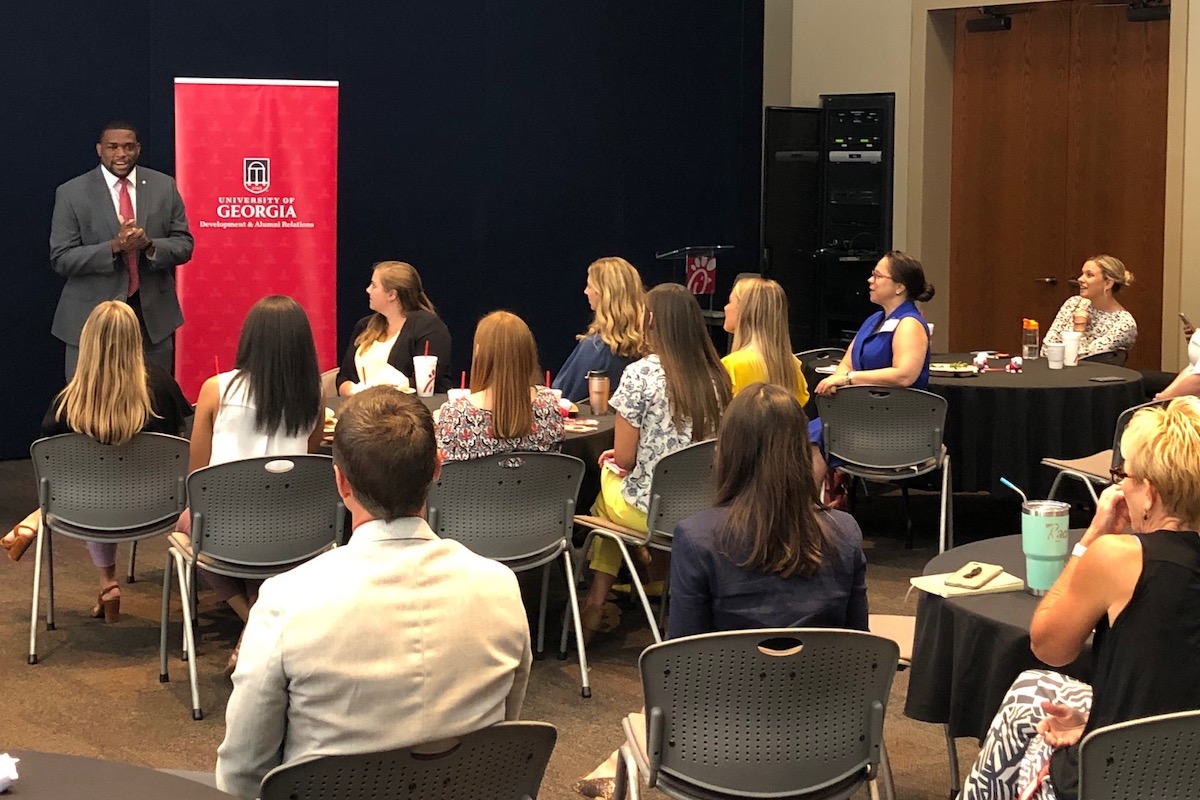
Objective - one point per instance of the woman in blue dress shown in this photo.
(892, 346)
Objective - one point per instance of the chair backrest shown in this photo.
(808, 357)
(111, 487)
(329, 383)
(1151, 757)
(1122, 422)
(265, 511)
(682, 485)
(505, 761)
(881, 427)
(508, 506)
(768, 712)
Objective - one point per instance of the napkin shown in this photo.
(387, 375)
(936, 584)
(8, 771)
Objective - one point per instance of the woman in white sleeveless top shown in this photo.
(268, 405)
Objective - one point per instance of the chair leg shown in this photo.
(946, 532)
(189, 639)
(37, 587)
(132, 561)
(952, 753)
(585, 689)
(626, 784)
(664, 600)
(908, 523)
(541, 634)
(637, 585)
(49, 581)
(164, 620)
(883, 781)
(1054, 486)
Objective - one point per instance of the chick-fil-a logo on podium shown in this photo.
(701, 274)
(256, 163)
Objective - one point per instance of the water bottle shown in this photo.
(1029, 339)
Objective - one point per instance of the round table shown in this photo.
(53, 776)
(968, 650)
(586, 446)
(1003, 424)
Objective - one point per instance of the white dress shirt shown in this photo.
(396, 639)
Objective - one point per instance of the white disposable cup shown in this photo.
(424, 370)
(930, 326)
(1071, 348)
(457, 394)
(557, 395)
(1054, 355)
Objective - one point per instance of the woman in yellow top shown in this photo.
(756, 315)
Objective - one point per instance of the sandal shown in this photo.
(108, 604)
(16, 542)
(600, 619)
(596, 787)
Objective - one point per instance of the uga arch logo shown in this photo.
(256, 174)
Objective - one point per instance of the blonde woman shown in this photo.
(505, 410)
(113, 396)
(756, 315)
(614, 339)
(404, 324)
(1105, 324)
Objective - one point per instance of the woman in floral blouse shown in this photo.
(505, 410)
(665, 402)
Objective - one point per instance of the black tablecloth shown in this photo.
(586, 446)
(1003, 424)
(968, 650)
(52, 776)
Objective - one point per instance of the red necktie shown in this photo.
(131, 256)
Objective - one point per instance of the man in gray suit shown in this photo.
(118, 233)
(396, 639)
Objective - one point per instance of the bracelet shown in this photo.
(1079, 549)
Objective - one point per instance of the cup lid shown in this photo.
(1045, 508)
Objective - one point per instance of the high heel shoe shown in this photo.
(108, 604)
(16, 542)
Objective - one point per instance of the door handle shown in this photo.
(1053, 281)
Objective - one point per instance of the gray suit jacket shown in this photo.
(81, 234)
(396, 639)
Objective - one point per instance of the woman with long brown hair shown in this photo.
(404, 324)
(114, 395)
(505, 409)
(614, 338)
(665, 401)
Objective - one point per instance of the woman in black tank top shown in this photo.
(1139, 594)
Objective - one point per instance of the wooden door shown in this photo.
(1117, 157)
(1059, 153)
(1008, 177)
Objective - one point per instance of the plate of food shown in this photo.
(959, 369)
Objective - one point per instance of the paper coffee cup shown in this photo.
(457, 394)
(1055, 353)
(424, 371)
(1071, 341)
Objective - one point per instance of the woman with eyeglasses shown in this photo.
(1136, 594)
(892, 346)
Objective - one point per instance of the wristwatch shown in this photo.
(850, 378)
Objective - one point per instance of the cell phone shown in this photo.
(974, 575)
(612, 466)
(1183, 318)
(1106, 379)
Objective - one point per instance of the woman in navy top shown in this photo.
(892, 346)
(614, 338)
(767, 556)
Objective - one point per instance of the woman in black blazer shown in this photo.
(403, 323)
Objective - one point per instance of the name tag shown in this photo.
(889, 326)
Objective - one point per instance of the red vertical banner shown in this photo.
(256, 163)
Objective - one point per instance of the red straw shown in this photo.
(547, 379)
(426, 347)
(463, 383)
(216, 366)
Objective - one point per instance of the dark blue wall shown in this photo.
(499, 147)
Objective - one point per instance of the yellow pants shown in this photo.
(611, 504)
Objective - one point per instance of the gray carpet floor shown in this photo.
(96, 691)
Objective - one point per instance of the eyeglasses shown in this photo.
(877, 275)
(1117, 474)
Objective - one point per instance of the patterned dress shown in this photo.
(1106, 332)
(465, 431)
